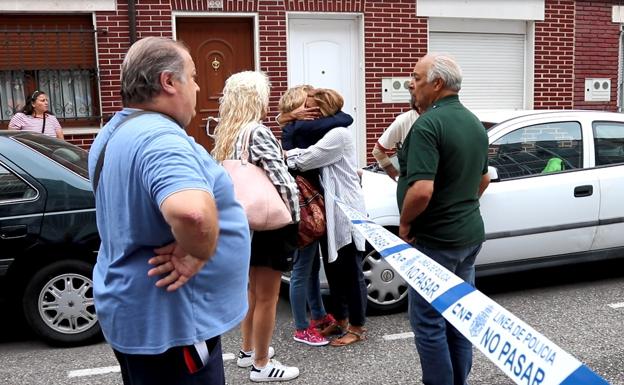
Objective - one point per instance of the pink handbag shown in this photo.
(254, 190)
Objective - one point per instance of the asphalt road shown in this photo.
(581, 309)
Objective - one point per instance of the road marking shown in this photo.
(616, 305)
(94, 371)
(117, 369)
(398, 336)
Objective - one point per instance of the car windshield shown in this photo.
(72, 157)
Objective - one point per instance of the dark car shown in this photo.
(48, 236)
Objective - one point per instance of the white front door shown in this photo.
(325, 53)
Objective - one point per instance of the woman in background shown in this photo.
(35, 117)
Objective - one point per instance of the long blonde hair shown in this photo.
(245, 99)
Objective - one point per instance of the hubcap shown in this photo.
(387, 275)
(66, 304)
(384, 286)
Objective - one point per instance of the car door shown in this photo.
(22, 202)
(545, 203)
(608, 160)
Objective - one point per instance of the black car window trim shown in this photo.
(13, 201)
(596, 123)
(22, 143)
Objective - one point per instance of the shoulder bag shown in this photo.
(100, 160)
(254, 190)
(312, 224)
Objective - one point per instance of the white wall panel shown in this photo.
(482, 9)
(57, 6)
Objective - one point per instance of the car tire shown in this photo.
(58, 304)
(386, 291)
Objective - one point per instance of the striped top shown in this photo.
(334, 154)
(266, 153)
(21, 121)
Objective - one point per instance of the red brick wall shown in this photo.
(153, 18)
(395, 39)
(81, 140)
(576, 40)
(596, 50)
(554, 60)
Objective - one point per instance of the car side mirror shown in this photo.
(493, 173)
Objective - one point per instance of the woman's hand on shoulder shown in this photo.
(300, 113)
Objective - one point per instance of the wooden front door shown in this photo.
(220, 47)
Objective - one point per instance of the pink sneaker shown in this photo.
(322, 323)
(310, 336)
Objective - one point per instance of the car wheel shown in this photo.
(58, 304)
(386, 290)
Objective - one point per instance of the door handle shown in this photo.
(13, 232)
(583, 191)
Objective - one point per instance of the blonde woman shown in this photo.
(243, 107)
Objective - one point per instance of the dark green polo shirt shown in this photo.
(447, 144)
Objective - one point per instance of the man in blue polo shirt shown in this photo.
(171, 273)
(443, 172)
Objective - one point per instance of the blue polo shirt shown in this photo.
(149, 159)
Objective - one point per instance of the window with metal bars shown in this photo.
(54, 54)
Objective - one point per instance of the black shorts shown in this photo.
(181, 365)
(274, 248)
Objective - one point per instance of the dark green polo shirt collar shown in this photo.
(445, 101)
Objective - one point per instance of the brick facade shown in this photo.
(394, 40)
(554, 56)
(575, 40)
(596, 50)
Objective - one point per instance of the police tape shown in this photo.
(521, 352)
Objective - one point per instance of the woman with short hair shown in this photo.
(334, 154)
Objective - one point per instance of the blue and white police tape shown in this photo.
(522, 353)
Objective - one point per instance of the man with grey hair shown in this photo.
(171, 272)
(443, 172)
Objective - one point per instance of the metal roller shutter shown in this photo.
(47, 42)
(493, 67)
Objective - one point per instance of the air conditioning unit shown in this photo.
(395, 90)
(597, 90)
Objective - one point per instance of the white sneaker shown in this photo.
(245, 360)
(273, 371)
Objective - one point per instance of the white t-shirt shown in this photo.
(397, 131)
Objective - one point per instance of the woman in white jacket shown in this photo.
(335, 155)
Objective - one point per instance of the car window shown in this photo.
(13, 188)
(608, 142)
(538, 149)
(68, 155)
